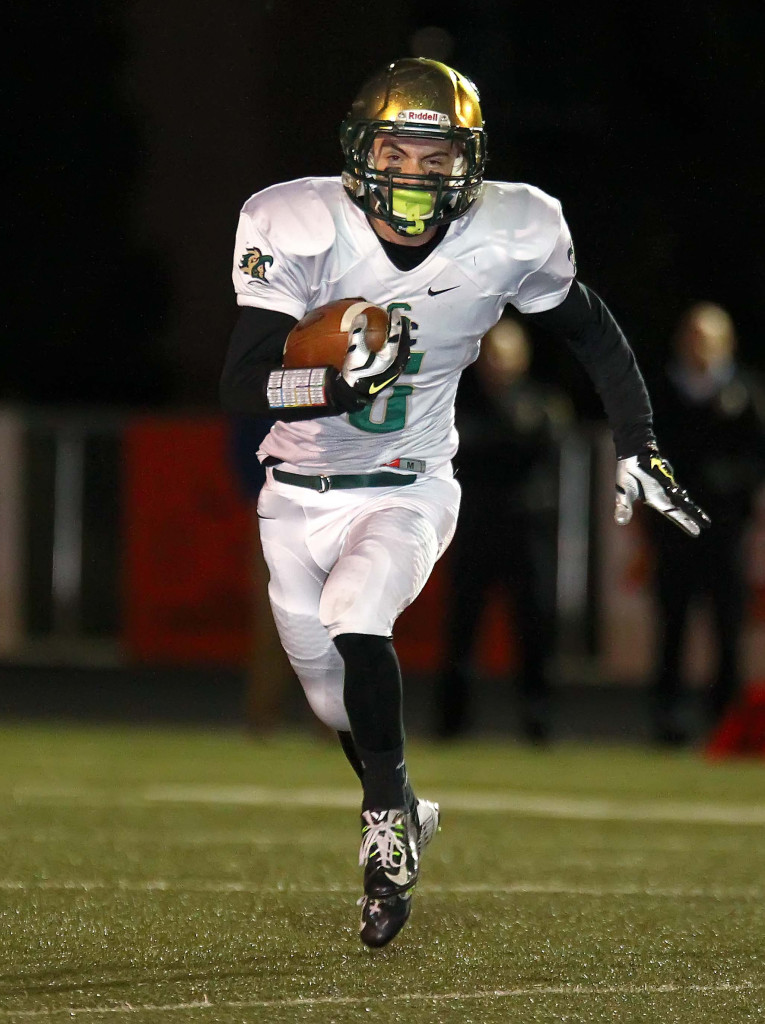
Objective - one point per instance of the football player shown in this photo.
(360, 499)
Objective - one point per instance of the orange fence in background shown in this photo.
(187, 591)
(419, 634)
(187, 535)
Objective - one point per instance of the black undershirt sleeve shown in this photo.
(255, 349)
(596, 339)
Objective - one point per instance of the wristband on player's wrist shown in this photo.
(318, 387)
(650, 448)
(634, 442)
(288, 389)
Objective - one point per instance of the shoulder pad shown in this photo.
(529, 218)
(295, 216)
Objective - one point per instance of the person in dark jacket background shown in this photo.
(710, 412)
(509, 427)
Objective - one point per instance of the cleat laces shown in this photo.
(389, 838)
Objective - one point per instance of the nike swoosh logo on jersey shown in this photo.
(440, 291)
(374, 388)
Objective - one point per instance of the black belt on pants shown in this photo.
(342, 480)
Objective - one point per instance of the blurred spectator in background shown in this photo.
(710, 413)
(506, 538)
(269, 674)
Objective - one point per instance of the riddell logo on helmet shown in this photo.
(423, 117)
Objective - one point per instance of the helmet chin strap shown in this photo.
(413, 205)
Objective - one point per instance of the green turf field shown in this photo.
(168, 876)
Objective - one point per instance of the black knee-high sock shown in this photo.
(349, 749)
(373, 700)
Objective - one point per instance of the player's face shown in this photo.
(414, 156)
(408, 159)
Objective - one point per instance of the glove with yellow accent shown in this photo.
(648, 477)
(368, 373)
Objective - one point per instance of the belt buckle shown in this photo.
(326, 483)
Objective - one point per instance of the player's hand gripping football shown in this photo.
(648, 477)
(368, 373)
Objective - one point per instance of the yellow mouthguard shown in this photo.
(412, 205)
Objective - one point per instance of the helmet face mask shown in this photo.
(414, 99)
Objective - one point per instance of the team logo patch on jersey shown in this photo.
(571, 257)
(255, 263)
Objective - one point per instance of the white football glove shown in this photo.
(648, 477)
(368, 373)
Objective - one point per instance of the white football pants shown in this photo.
(348, 561)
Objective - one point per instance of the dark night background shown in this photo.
(140, 128)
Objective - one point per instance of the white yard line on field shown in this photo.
(554, 888)
(525, 804)
(402, 997)
(620, 853)
(81, 795)
(126, 837)
(535, 805)
(256, 796)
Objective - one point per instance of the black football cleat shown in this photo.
(428, 822)
(382, 920)
(391, 863)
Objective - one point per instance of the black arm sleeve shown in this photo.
(585, 322)
(255, 349)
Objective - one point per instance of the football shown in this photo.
(321, 337)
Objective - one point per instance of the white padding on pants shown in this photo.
(384, 564)
(347, 562)
(317, 665)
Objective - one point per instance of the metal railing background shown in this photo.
(62, 536)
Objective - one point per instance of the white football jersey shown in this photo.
(303, 243)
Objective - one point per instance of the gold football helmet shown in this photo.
(423, 98)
